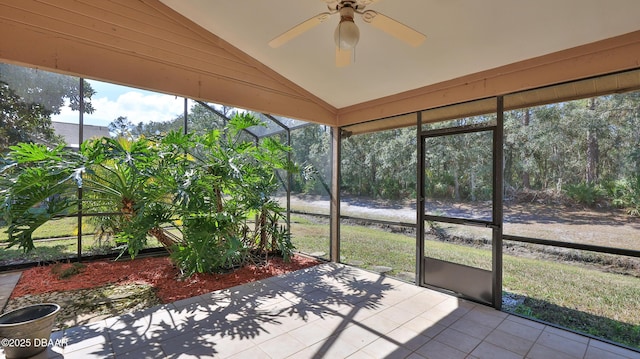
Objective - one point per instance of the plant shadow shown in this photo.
(228, 321)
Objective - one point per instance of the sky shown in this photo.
(111, 101)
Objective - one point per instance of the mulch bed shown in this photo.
(158, 272)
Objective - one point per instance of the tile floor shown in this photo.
(328, 311)
(8, 281)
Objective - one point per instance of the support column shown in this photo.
(80, 139)
(185, 130)
(335, 194)
(419, 202)
(289, 183)
(498, 197)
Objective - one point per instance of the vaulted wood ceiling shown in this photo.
(217, 50)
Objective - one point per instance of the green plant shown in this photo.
(584, 193)
(626, 194)
(208, 186)
(39, 183)
(221, 184)
(284, 244)
(524, 310)
(65, 270)
(205, 248)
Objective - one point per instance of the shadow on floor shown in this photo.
(240, 314)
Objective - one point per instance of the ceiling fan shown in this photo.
(347, 34)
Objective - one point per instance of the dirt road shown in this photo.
(610, 227)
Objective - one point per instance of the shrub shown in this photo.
(626, 194)
(65, 270)
(585, 193)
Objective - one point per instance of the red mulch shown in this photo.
(158, 272)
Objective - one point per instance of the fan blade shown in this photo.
(299, 29)
(363, 3)
(343, 57)
(332, 4)
(392, 27)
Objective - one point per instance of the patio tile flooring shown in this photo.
(8, 281)
(327, 311)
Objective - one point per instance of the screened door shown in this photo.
(460, 246)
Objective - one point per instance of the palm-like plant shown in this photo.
(38, 184)
(210, 187)
(120, 180)
(221, 184)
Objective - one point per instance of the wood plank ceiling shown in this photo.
(146, 44)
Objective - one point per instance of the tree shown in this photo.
(593, 150)
(21, 121)
(586, 149)
(526, 120)
(121, 127)
(202, 120)
(359, 164)
(151, 129)
(311, 150)
(29, 98)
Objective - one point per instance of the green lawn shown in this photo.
(315, 237)
(369, 247)
(65, 229)
(62, 227)
(61, 249)
(603, 304)
(47, 250)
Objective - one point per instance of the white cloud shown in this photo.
(136, 106)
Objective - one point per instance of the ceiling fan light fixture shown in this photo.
(347, 33)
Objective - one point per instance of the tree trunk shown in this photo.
(262, 223)
(219, 206)
(164, 238)
(274, 239)
(508, 167)
(592, 157)
(526, 177)
(591, 175)
(456, 184)
(372, 180)
(127, 209)
(473, 185)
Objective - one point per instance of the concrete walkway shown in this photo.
(327, 311)
(8, 281)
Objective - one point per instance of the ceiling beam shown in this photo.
(598, 58)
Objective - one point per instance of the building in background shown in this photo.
(70, 132)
